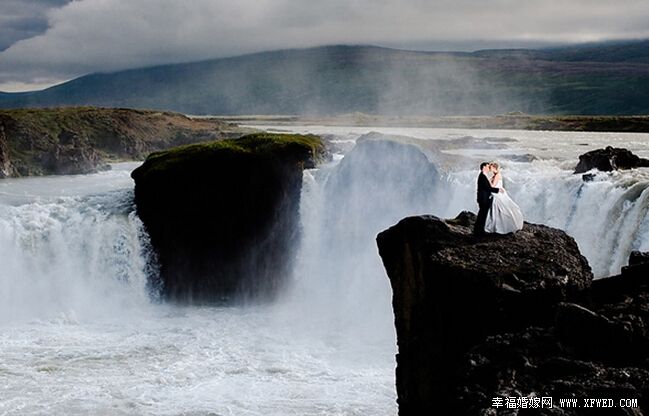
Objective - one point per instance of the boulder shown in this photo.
(452, 289)
(609, 159)
(633, 276)
(638, 257)
(514, 316)
(223, 216)
(591, 334)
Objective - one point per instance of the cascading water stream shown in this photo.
(608, 216)
(74, 258)
(339, 276)
(80, 334)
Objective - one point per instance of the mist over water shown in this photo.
(71, 257)
(338, 279)
(81, 330)
(608, 217)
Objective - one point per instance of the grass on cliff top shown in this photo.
(258, 143)
(85, 121)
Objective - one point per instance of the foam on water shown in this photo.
(608, 217)
(81, 333)
(180, 361)
(83, 256)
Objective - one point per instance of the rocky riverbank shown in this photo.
(75, 140)
(223, 216)
(482, 320)
(609, 159)
(517, 121)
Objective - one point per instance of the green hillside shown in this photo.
(608, 78)
(84, 139)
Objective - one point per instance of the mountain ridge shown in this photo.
(339, 79)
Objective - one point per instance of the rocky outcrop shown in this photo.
(519, 316)
(6, 169)
(223, 216)
(85, 139)
(609, 159)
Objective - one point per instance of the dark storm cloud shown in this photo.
(22, 19)
(104, 35)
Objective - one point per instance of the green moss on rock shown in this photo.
(309, 148)
(223, 216)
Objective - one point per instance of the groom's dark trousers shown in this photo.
(484, 202)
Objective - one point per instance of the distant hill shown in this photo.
(611, 52)
(84, 139)
(605, 78)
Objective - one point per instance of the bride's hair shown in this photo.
(495, 165)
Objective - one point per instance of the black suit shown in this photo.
(484, 201)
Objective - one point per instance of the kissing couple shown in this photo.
(498, 212)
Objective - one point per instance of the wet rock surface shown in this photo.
(609, 159)
(223, 216)
(519, 316)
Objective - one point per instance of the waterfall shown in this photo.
(339, 276)
(340, 285)
(73, 258)
(76, 285)
(608, 216)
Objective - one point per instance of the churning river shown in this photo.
(82, 330)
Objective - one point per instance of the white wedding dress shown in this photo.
(505, 216)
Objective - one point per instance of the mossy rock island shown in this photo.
(223, 217)
(74, 140)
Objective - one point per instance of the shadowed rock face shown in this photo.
(508, 316)
(6, 169)
(223, 216)
(608, 159)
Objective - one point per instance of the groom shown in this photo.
(484, 198)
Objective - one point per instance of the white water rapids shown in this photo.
(81, 331)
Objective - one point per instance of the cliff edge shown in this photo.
(517, 316)
(77, 140)
(223, 216)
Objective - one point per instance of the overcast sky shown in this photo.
(47, 41)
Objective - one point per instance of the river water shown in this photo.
(82, 330)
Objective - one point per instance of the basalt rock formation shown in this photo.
(485, 320)
(223, 216)
(609, 159)
(84, 139)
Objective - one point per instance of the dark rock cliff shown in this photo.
(609, 159)
(223, 216)
(510, 316)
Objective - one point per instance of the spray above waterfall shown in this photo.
(608, 217)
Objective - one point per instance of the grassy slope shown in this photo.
(261, 144)
(42, 141)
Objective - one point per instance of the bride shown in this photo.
(504, 216)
